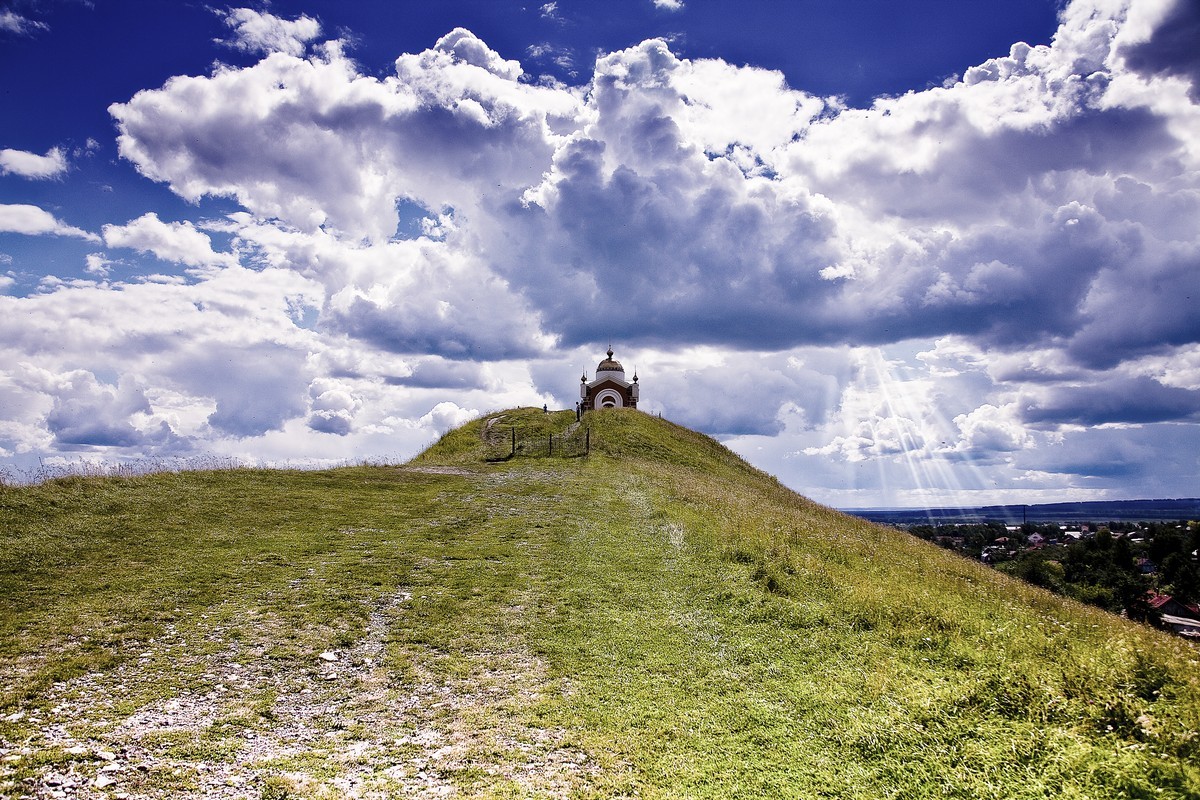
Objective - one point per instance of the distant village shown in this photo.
(1147, 571)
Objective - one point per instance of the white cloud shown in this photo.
(179, 242)
(23, 26)
(334, 405)
(446, 415)
(882, 416)
(561, 57)
(222, 355)
(669, 5)
(87, 413)
(34, 221)
(97, 264)
(990, 429)
(31, 165)
(464, 47)
(255, 32)
(745, 113)
(729, 393)
(326, 147)
(412, 297)
(953, 276)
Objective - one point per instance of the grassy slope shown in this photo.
(656, 620)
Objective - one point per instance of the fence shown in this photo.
(575, 442)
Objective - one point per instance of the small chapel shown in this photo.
(609, 389)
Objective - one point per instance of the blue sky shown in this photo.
(897, 254)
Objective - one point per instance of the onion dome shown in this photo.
(610, 365)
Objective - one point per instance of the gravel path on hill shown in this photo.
(338, 724)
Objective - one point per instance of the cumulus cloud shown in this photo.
(1010, 256)
(741, 394)
(637, 207)
(874, 427)
(31, 165)
(35, 221)
(257, 388)
(197, 362)
(729, 207)
(715, 196)
(97, 264)
(412, 297)
(86, 413)
(446, 415)
(333, 406)
(669, 5)
(1170, 46)
(464, 47)
(256, 32)
(328, 148)
(179, 242)
(924, 416)
(399, 296)
(991, 429)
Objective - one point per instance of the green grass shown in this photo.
(657, 619)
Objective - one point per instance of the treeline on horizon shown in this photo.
(1079, 512)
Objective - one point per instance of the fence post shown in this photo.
(552, 444)
(514, 444)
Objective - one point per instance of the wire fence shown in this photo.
(505, 444)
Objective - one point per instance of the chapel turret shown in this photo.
(608, 389)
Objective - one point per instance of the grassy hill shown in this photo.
(653, 619)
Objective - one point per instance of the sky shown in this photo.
(897, 254)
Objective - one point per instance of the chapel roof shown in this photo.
(609, 364)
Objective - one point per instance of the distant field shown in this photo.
(1091, 511)
(655, 619)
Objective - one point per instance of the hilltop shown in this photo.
(636, 612)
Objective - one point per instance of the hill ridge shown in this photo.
(655, 618)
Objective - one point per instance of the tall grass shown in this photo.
(658, 619)
(128, 468)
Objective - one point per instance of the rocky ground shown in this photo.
(227, 721)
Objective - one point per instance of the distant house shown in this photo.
(1183, 618)
(1166, 604)
(609, 389)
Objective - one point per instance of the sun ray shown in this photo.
(907, 426)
